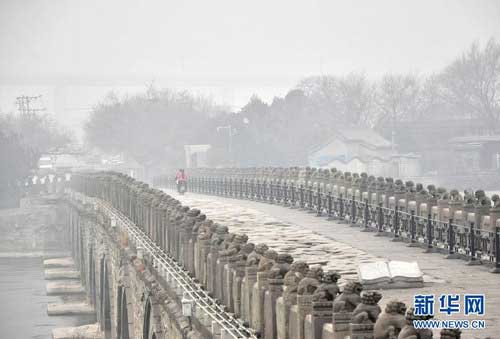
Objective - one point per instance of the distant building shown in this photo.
(196, 155)
(354, 149)
(472, 154)
(357, 149)
(436, 141)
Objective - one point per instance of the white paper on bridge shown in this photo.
(390, 274)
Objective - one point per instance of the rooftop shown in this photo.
(362, 135)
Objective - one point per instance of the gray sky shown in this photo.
(230, 48)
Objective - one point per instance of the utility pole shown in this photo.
(25, 107)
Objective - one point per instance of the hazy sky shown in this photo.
(230, 38)
(233, 48)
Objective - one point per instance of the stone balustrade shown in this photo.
(268, 291)
(277, 297)
(460, 225)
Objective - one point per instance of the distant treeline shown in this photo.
(153, 127)
(23, 138)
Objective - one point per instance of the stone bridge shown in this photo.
(132, 258)
(457, 225)
(152, 267)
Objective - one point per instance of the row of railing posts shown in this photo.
(434, 235)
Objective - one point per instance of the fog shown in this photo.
(286, 76)
(75, 52)
(378, 114)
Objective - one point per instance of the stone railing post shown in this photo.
(321, 315)
(211, 269)
(219, 277)
(341, 324)
(228, 282)
(237, 287)
(275, 288)
(258, 293)
(304, 307)
(247, 287)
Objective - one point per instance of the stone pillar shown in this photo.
(275, 288)
(361, 331)
(321, 315)
(304, 307)
(454, 205)
(196, 258)
(186, 236)
(283, 307)
(212, 258)
(293, 320)
(219, 278)
(200, 258)
(258, 293)
(494, 216)
(191, 255)
(282, 314)
(238, 275)
(341, 324)
(442, 205)
(248, 282)
(308, 327)
(203, 263)
(479, 212)
(228, 282)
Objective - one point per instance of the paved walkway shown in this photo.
(341, 247)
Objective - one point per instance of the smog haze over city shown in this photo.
(249, 169)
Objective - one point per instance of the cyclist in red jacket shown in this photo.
(181, 179)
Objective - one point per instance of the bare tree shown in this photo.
(356, 100)
(397, 100)
(472, 84)
(345, 100)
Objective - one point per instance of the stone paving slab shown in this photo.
(80, 332)
(312, 238)
(70, 308)
(59, 262)
(64, 287)
(61, 273)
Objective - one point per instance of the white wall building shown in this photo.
(357, 149)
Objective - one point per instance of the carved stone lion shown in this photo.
(310, 282)
(349, 298)
(328, 288)
(292, 278)
(368, 310)
(253, 258)
(267, 260)
(391, 321)
(410, 332)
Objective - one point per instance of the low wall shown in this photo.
(37, 227)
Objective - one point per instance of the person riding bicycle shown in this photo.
(180, 178)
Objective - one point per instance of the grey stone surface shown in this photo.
(308, 238)
(61, 273)
(70, 308)
(36, 228)
(65, 262)
(64, 287)
(80, 332)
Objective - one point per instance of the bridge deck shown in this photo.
(315, 239)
